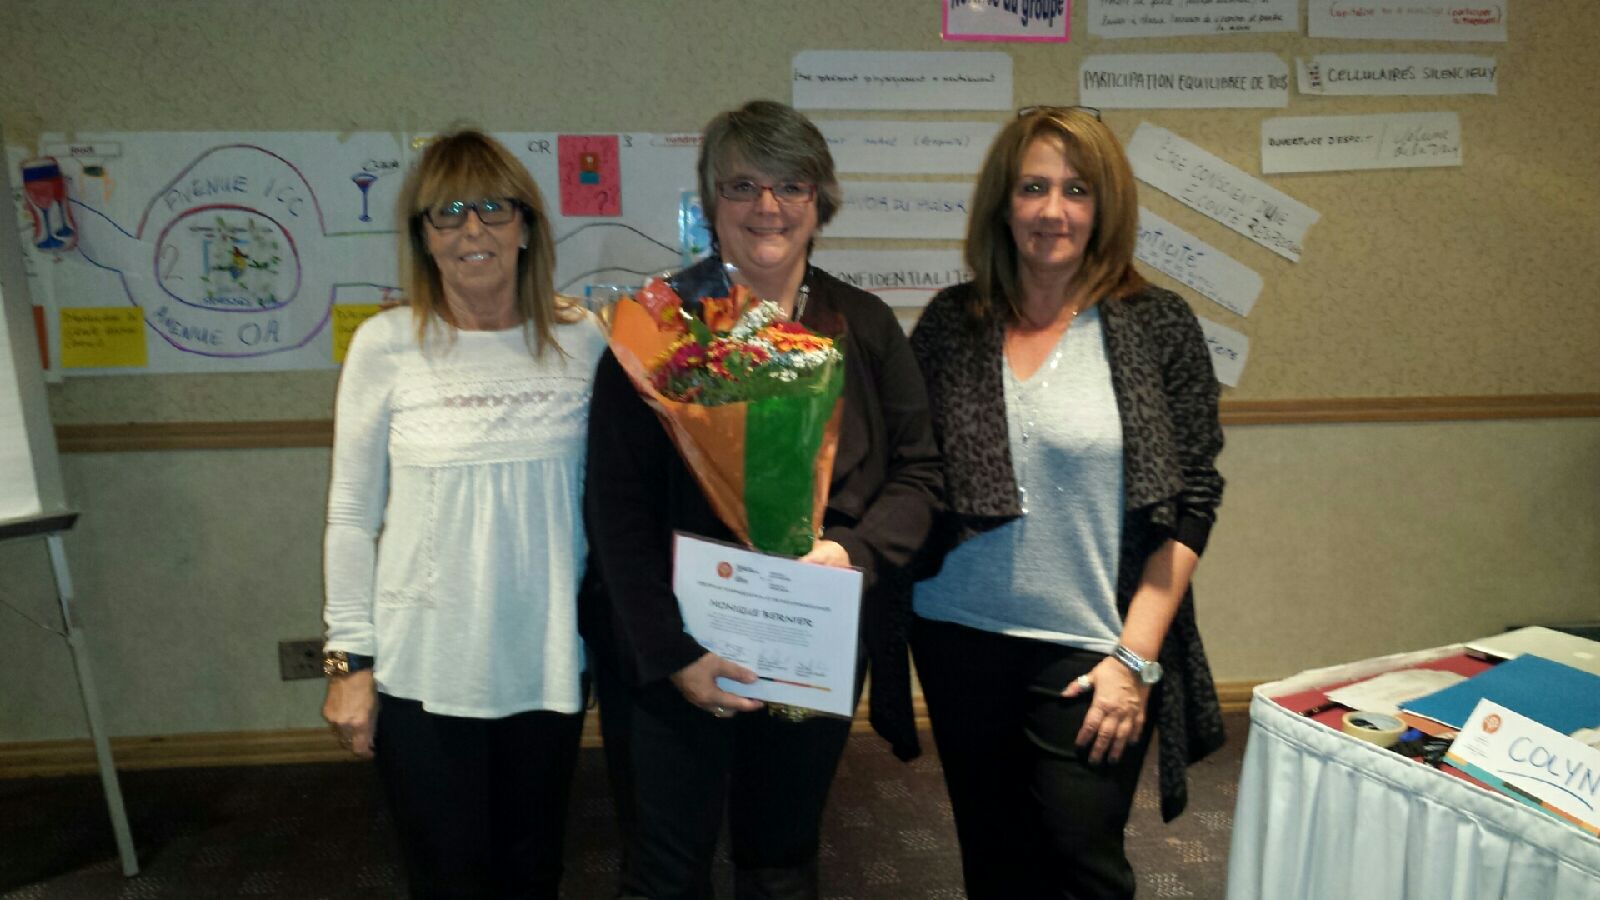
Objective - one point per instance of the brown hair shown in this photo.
(470, 164)
(1095, 153)
(774, 138)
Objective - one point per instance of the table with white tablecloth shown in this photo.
(1324, 816)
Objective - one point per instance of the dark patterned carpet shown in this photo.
(312, 831)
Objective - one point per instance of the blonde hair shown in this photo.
(470, 164)
(1097, 156)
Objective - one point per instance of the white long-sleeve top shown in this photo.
(454, 542)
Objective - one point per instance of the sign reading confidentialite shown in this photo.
(1215, 188)
(1183, 80)
(901, 278)
(890, 79)
(1337, 143)
(1225, 280)
(794, 624)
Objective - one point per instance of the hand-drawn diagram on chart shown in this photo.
(207, 252)
(235, 255)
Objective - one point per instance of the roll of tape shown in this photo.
(1373, 727)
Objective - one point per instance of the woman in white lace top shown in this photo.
(454, 538)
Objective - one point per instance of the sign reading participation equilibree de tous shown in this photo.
(1184, 80)
(1338, 143)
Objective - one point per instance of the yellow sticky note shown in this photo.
(107, 337)
(345, 319)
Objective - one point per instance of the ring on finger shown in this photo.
(1084, 681)
(720, 712)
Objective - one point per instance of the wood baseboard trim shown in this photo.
(49, 759)
(136, 436)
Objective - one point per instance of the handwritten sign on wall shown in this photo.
(912, 148)
(1168, 18)
(1215, 188)
(1184, 80)
(1225, 280)
(1229, 350)
(1006, 20)
(885, 79)
(1335, 143)
(903, 278)
(1417, 20)
(902, 209)
(1390, 74)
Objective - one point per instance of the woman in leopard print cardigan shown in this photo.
(1076, 409)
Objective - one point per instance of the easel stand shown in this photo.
(52, 528)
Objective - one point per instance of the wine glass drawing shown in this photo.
(46, 189)
(364, 181)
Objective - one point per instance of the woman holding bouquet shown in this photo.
(691, 749)
(1077, 413)
(453, 546)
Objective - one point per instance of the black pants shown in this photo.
(771, 776)
(480, 804)
(1034, 818)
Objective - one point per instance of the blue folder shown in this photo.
(1552, 694)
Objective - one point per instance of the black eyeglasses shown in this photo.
(1030, 110)
(789, 193)
(453, 213)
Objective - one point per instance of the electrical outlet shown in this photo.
(300, 659)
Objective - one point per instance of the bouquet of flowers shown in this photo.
(750, 399)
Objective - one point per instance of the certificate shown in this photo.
(794, 624)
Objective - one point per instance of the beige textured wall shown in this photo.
(1336, 542)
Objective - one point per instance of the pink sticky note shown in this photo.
(591, 182)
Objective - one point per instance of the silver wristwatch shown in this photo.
(1147, 671)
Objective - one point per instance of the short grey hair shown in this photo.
(774, 138)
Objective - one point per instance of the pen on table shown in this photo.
(1320, 708)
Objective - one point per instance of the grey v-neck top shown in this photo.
(1051, 574)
